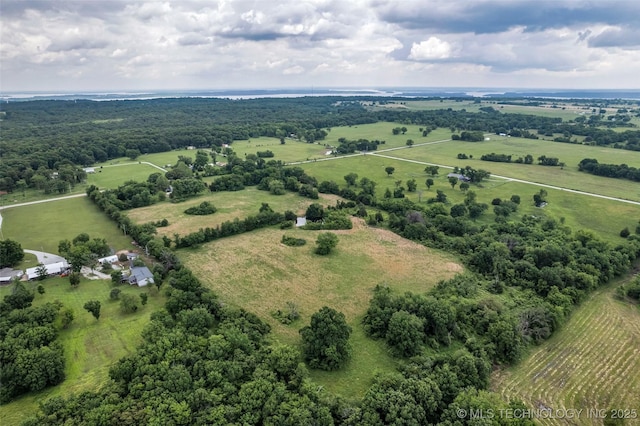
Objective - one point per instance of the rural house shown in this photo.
(140, 276)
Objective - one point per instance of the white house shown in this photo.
(109, 259)
(57, 268)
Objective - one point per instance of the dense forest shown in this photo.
(40, 138)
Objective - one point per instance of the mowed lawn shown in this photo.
(230, 205)
(90, 346)
(42, 226)
(591, 363)
(259, 273)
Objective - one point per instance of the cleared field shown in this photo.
(115, 174)
(230, 205)
(604, 217)
(90, 346)
(42, 226)
(592, 363)
(292, 150)
(568, 177)
(259, 273)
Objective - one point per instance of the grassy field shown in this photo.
(115, 174)
(230, 205)
(90, 346)
(42, 226)
(568, 177)
(257, 272)
(591, 363)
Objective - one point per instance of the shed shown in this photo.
(301, 221)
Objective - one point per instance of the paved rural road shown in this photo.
(46, 258)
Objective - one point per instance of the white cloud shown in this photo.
(296, 69)
(432, 48)
(74, 45)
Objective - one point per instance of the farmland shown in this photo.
(591, 363)
(259, 273)
(255, 271)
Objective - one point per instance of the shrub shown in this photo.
(114, 294)
(203, 209)
(293, 242)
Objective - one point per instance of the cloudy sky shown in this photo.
(110, 45)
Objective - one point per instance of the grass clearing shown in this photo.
(257, 272)
(42, 226)
(230, 205)
(90, 346)
(591, 363)
(115, 174)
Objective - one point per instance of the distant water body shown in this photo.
(406, 92)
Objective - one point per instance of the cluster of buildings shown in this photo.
(136, 275)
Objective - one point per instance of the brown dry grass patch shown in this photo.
(257, 272)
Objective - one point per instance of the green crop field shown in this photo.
(42, 226)
(591, 363)
(256, 271)
(90, 346)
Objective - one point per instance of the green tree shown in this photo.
(453, 181)
(93, 307)
(429, 183)
(41, 270)
(66, 317)
(78, 257)
(412, 185)
(351, 179)
(11, 253)
(144, 297)
(409, 143)
(315, 212)
(389, 170)
(276, 187)
(41, 289)
(116, 277)
(325, 341)
(114, 294)
(128, 303)
(74, 279)
(464, 186)
(326, 242)
(432, 170)
(405, 333)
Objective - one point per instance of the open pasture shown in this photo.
(604, 217)
(230, 205)
(90, 346)
(114, 174)
(591, 363)
(258, 272)
(42, 226)
(292, 150)
(566, 177)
